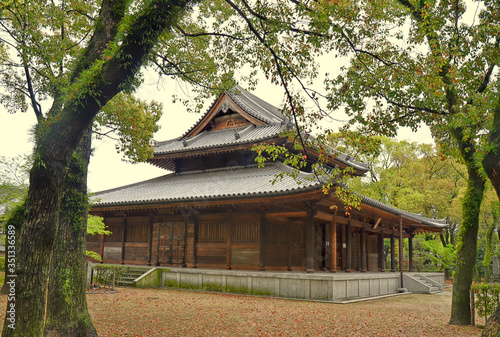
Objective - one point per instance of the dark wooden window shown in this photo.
(245, 232)
(137, 233)
(242, 232)
(117, 232)
(209, 232)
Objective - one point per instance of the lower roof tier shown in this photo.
(235, 183)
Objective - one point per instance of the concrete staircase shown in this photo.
(418, 283)
(128, 277)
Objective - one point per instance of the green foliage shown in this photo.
(487, 298)
(437, 255)
(134, 120)
(13, 182)
(103, 274)
(96, 226)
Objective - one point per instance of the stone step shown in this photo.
(122, 282)
(130, 275)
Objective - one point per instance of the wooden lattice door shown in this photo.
(171, 243)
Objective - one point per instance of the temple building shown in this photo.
(216, 208)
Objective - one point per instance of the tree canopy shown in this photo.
(411, 62)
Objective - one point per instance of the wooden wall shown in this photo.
(230, 240)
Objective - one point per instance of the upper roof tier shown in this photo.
(236, 120)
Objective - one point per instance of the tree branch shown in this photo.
(208, 34)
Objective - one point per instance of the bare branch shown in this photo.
(208, 34)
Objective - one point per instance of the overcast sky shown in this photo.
(107, 170)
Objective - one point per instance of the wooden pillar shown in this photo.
(410, 252)
(393, 253)
(150, 241)
(343, 247)
(310, 241)
(262, 242)
(102, 249)
(124, 237)
(401, 252)
(194, 218)
(380, 245)
(158, 244)
(184, 246)
(290, 244)
(229, 245)
(348, 264)
(363, 249)
(323, 247)
(333, 246)
(170, 242)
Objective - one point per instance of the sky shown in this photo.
(107, 169)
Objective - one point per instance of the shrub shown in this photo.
(103, 274)
(487, 298)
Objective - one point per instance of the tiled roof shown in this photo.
(252, 105)
(256, 107)
(232, 136)
(436, 223)
(230, 183)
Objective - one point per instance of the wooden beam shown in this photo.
(299, 214)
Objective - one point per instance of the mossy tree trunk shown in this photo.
(492, 327)
(467, 247)
(67, 313)
(491, 164)
(58, 138)
(15, 220)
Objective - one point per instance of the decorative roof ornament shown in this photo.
(225, 107)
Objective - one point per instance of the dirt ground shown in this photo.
(162, 312)
(155, 312)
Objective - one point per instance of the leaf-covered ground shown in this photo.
(160, 312)
(155, 312)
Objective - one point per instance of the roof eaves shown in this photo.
(436, 223)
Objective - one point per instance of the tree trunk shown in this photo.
(467, 246)
(492, 327)
(15, 220)
(487, 254)
(67, 313)
(57, 140)
(491, 165)
(27, 306)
